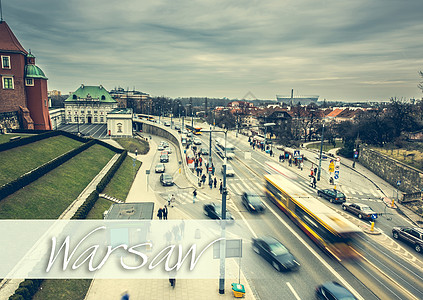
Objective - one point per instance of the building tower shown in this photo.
(23, 90)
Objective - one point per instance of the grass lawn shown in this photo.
(121, 183)
(131, 144)
(326, 146)
(51, 194)
(77, 288)
(63, 289)
(4, 138)
(19, 160)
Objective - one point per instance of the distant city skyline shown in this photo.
(340, 50)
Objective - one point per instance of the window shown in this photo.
(8, 83)
(101, 119)
(74, 97)
(103, 97)
(5, 62)
(29, 82)
(119, 126)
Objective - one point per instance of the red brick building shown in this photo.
(23, 90)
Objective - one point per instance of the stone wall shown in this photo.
(392, 170)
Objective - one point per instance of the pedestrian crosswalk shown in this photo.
(237, 187)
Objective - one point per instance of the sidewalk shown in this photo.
(386, 189)
(160, 288)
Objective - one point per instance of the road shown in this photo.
(388, 269)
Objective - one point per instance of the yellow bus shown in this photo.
(329, 230)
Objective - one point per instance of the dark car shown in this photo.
(333, 290)
(252, 202)
(214, 211)
(166, 179)
(204, 151)
(164, 158)
(275, 253)
(363, 211)
(334, 196)
(411, 235)
(177, 127)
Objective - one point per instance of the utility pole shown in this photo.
(223, 228)
(210, 158)
(320, 156)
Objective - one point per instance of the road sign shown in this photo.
(331, 167)
(147, 172)
(296, 153)
(355, 154)
(233, 248)
(336, 176)
(374, 216)
(398, 182)
(338, 159)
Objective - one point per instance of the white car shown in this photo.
(229, 171)
(160, 168)
(160, 148)
(197, 141)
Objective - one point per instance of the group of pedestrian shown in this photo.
(162, 213)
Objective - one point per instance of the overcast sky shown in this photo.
(340, 50)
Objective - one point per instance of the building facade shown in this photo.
(119, 122)
(89, 104)
(23, 92)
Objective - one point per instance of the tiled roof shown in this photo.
(334, 113)
(8, 41)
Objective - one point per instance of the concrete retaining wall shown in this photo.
(163, 131)
(392, 170)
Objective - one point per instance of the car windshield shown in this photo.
(366, 208)
(229, 167)
(254, 199)
(160, 166)
(167, 177)
(278, 249)
(340, 194)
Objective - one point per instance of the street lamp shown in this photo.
(320, 156)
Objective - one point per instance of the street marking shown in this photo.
(293, 291)
(380, 193)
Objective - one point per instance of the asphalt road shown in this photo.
(388, 270)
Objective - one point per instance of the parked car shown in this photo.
(275, 253)
(184, 131)
(214, 211)
(411, 235)
(363, 211)
(204, 151)
(160, 148)
(167, 124)
(177, 127)
(160, 168)
(166, 180)
(229, 171)
(252, 202)
(333, 290)
(334, 196)
(189, 134)
(197, 141)
(164, 158)
(164, 144)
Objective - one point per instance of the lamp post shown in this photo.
(320, 156)
(171, 113)
(77, 122)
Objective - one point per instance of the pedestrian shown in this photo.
(182, 228)
(203, 178)
(160, 213)
(311, 180)
(280, 157)
(165, 211)
(290, 161)
(301, 165)
(125, 296)
(315, 171)
(314, 182)
(213, 169)
(201, 170)
(221, 186)
(194, 193)
(215, 182)
(201, 161)
(172, 278)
